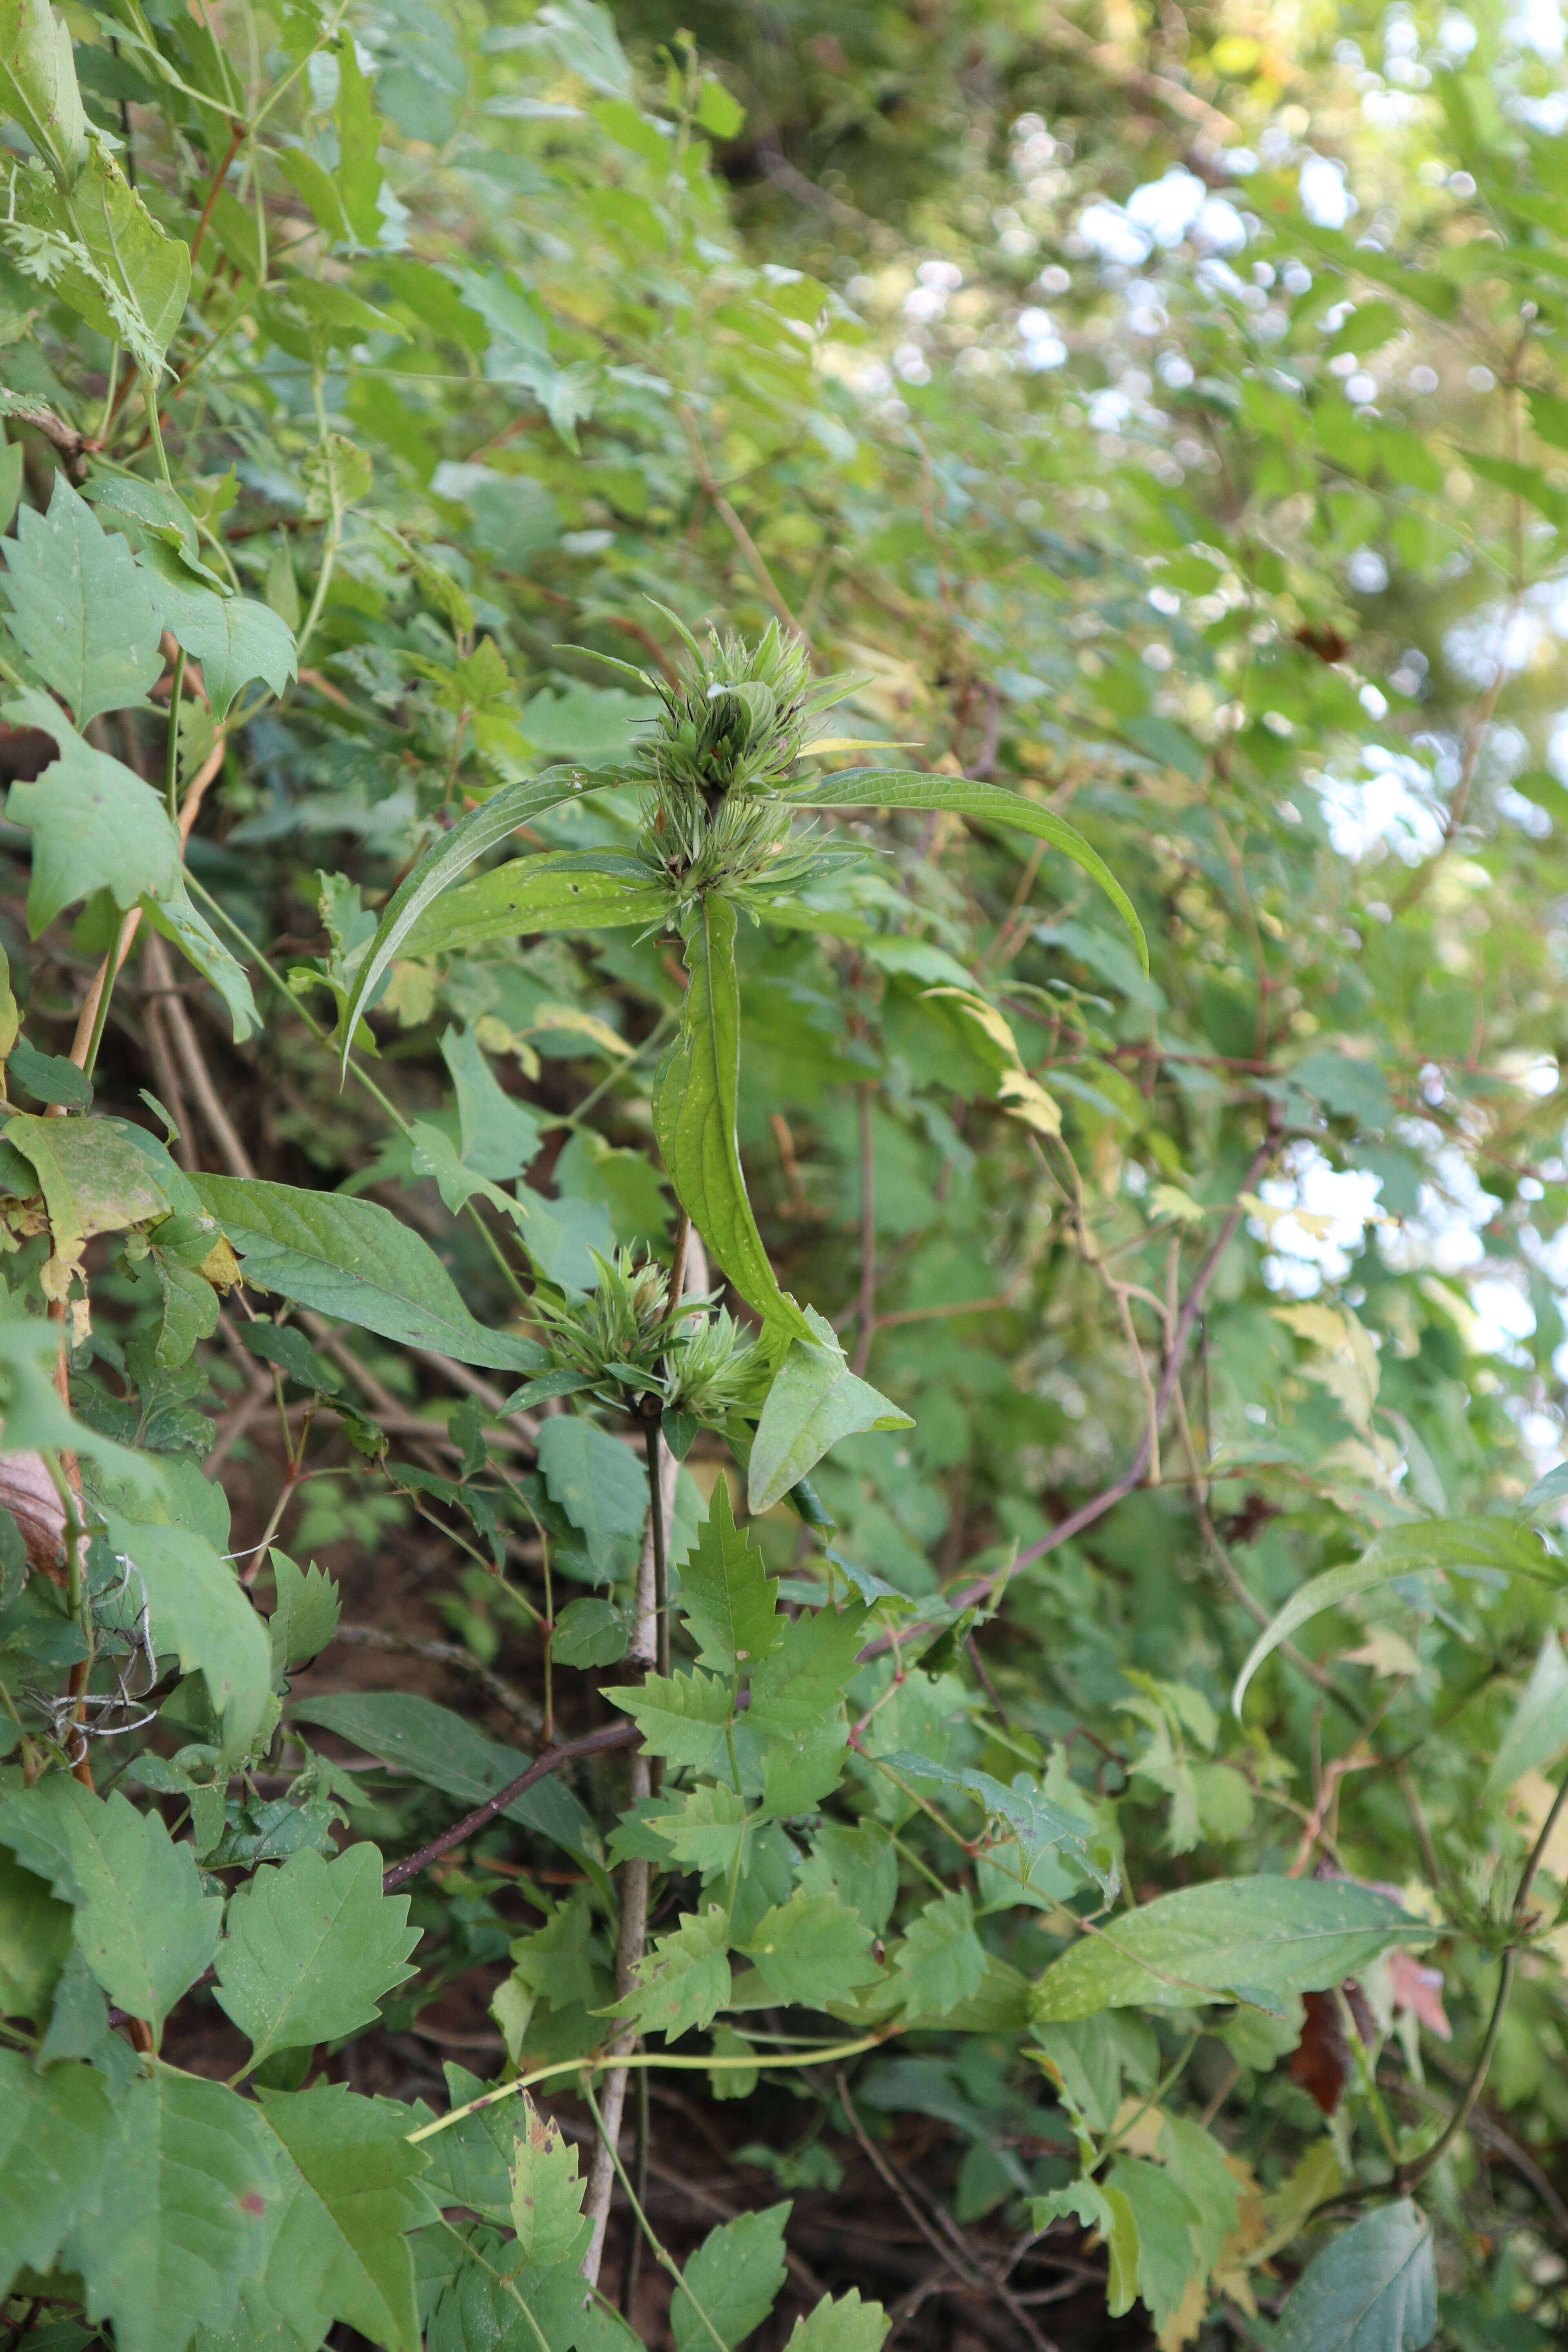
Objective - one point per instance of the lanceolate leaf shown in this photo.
(1374, 2289)
(1250, 1940)
(874, 788)
(356, 1260)
(311, 1949)
(38, 85)
(1462, 1546)
(481, 829)
(56, 2126)
(694, 1119)
(559, 890)
(80, 609)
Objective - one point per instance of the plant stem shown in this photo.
(665, 2260)
(110, 972)
(172, 758)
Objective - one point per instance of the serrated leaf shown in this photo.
(499, 1136)
(683, 1979)
(349, 2181)
(234, 638)
(122, 272)
(556, 891)
(56, 2126)
(38, 84)
(1460, 1547)
(1255, 1939)
(680, 1716)
(811, 1949)
(735, 2275)
(80, 610)
(694, 1095)
(188, 2220)
(799, 1685)
(305, 1611)
(1374, 2289)
(840, 2323)
(728, 1600)
(875, 788)
(143, 1925)
(1040, 1827)
(1166, 2217)
(482, 828)
(941, 1960)
(601, 1485)
(815, 1400)
(35, 1940)
(546, 2190)
(354, 1260)
(312, 1948)
(708, 1828)
(95, 826)
(199, 1610)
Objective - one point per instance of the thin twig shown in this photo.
(593, 1743)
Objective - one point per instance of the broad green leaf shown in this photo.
(840, 2323)
(79, 611)
(446, 1753)
(305, 1611)
(1252, 1939)
(470, 2163)
(874, 788)
(802, 1767)
(200, 1611)
(188, 2220)
(602, 1486)
(38, 85)
(1374, 2289)
(234, 638)
(728, 1600)
(799, 1683)
(680, 1716)
(349, 2180)
(481, 2301)
(35, 1939)
(95, 826)
(735, 2275)
(706, 1829)
(683, 1979)
(588, 1633)
(694, 1119)
(92, 1178)
(1538, 1728)
(546, 2190)
(1166, 2219)
(813, 1401)
(311, 1949)
(811, 1949)
(57, 2125)
(143, 1925)
(482, 828)
(940, 1961)
(501, 1135)
(1197, 2164)
(558, 890)
(354, 1260)
(33, 1415)
(1040, 1827)
(1460, 1547)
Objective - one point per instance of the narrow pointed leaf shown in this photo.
(559, 890)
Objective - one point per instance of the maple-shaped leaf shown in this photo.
(683, 1979)
(811, 1949)
(311, 1949)
(80, 609)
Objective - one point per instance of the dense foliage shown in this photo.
(782, 1177)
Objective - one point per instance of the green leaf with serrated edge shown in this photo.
(1039, 1826)
(860, 1865)
(706, 1830)
(178, 920)
(728, 1600)
(358, 172)
(35, 1939)
(694, 1094)
(813, 1401)
(1104, 2209)
(735, 2275)
(190, 2218)
(447, 1753)
(799, 1685)
(482, 828)
(940, 1961)
(80, 609)
(354, 1260)
(470, 2163)
(312, 1948)
(143, 1925)
(683, 1979)
(1460, 1547)
(1253, 1940)
(305, 1612)
(680, 1716)
(38, 84)
(95, 826)
(546, 2190)
(602, 1486)
(840, 2323)
(234, 638)
(875, 788)
(802, 1769)
(1166, 2217)
(55, 2127)
(200, 1611)
(811, 1949)
(1374, 2289)
(557, 890)
(122, 272)
(499, 1136)
(350, 2186)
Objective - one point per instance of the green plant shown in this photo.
(1027, 1722)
